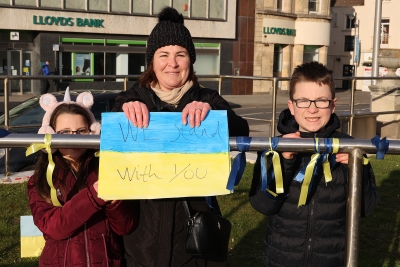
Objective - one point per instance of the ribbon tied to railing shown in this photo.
(382, 146)
(327, 160)
(239, 163)
(269, 174)
(35, 147)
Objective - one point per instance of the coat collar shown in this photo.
(287, 124)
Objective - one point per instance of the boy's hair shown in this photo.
(312, 72)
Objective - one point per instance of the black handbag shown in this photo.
(208, 235)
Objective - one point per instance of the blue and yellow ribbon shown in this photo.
(382, 146)
(50, 168)
(239, 163)
(306, 174)
(267, 175)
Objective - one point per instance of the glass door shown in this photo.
(11, 64)
(14, 70)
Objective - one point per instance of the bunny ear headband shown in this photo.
(49, 102)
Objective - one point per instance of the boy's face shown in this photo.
(312, 119)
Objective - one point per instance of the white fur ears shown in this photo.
(49, 102)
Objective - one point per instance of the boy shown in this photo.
(312, 234)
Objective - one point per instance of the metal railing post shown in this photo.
(353, 207)
(353, 88)
(220, 85)
(275, 85)
(6, 123)
(125, 83)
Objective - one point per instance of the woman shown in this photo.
(170, 84)
(80, 229)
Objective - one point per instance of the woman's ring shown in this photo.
(197, 109)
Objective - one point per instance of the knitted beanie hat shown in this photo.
(170, 31)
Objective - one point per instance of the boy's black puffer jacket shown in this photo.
(313, 234)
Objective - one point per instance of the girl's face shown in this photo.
(71, 122)
(171, 65)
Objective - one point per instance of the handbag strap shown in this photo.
(187, 209)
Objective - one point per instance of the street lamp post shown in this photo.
(376, 43)
(356, 49)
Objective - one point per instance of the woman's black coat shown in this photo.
(160, 237)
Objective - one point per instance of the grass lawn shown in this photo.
(379, 233)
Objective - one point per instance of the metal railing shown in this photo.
(354, 147)
(274, 90)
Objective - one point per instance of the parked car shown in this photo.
(27, 118)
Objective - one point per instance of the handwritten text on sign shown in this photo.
(166, 159)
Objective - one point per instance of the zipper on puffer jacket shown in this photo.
(87, 247)
(65, 254)
(105, 249)
(310, 234)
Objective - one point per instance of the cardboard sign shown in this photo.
(165, 160)
(32, 241)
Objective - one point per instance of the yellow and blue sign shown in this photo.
(32, 241)
(165, 160)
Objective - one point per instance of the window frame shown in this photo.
(348, 44)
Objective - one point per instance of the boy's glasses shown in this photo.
(306, 103)
(80, 131)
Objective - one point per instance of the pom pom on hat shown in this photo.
(170, 30)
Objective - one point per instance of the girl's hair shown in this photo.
(148, 76)
(61, 165)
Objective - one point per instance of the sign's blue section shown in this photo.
(165, 134)
(28, 228)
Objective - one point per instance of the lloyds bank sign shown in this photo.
(67, 21)
(279, 31)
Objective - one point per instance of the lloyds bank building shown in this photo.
(108, 37)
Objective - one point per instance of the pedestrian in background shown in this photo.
(45, 84)
(170, 85)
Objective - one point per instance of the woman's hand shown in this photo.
(96, 188)
(290, 155)
(197, 112)
(137, 113)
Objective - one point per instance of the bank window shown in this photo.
(350, 21)
(24, 2)
(313, 6)
(207, 59)
(311, 53)
(120, 6)
(348, 43)
(199, 9)
(75, 4)
(98, 5)
(108, 57)
(217, 9)
(385, 31)
(51, 3)
(279, 5)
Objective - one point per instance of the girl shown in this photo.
(80, 229)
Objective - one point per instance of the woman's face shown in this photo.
(71, 122)
(171, 65)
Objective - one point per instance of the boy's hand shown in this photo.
(290, 155)
(342, 158)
